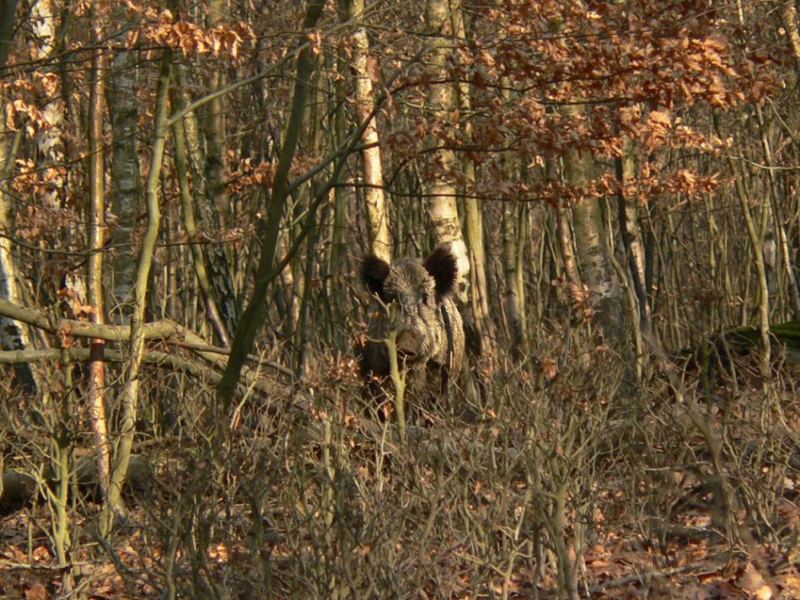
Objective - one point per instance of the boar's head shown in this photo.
(429, 327)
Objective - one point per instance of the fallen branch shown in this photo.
(70, 327)
(165, 331)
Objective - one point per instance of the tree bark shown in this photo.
(217, 262)
(513, 291)
(473, 219)
(372, 171)
(789, 13)
(49, 140)
(125, 177)
(441, 191)
(97, 231)
(594, 256)
(13, 336)
(130, 392)
(214, 124)
(213, 214)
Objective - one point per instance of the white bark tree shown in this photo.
(440, 103)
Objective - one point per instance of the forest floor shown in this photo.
(697, 565)
(683, 491)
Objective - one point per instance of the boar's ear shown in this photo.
(443, 268)
(374, 271)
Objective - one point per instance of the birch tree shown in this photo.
(125, 173)
(130, 392)
(441, 191)
(13, 334)
(594, 256)
(365, 70)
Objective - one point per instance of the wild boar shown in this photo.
(430, 332)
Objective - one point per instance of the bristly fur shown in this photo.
(442, 266)
(374, 272)
(429, 331)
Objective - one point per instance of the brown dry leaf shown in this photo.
(753, 583)
(550, 368)
(660, 117)
(41, 554)
(37, 591)
(789, 584)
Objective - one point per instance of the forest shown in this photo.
(423, 299)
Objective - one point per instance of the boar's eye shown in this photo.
(425, 297)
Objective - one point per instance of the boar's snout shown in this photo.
(409, 342)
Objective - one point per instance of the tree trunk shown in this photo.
(213, 215)
(594, 257)
(130, 392)
(125, 177)
(631, 233)
(628, 211)
(190, 226)
(442, 191)
(779, 238)
(365, 69)
(217, 262)
(480, 316)
(790, 22)
(13, 335)
(253, 317)
(513, 300)
(96, 235)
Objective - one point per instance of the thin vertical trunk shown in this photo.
(213, 215)
(512, 302)
(253, 317)
(130, 392)
(49, 139)
(217, 263)
(214, 123)
(779, 237)
(479, 296)
(13, 334)
(756, 236)
(790, 22)
(631, 237)
(564, 234)
(442, 191)
(631, 233)
(343, 197)
(567, 248)
(365, 70)
(190, 226)
(97, 227)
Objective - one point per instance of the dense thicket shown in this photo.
(187, 189)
